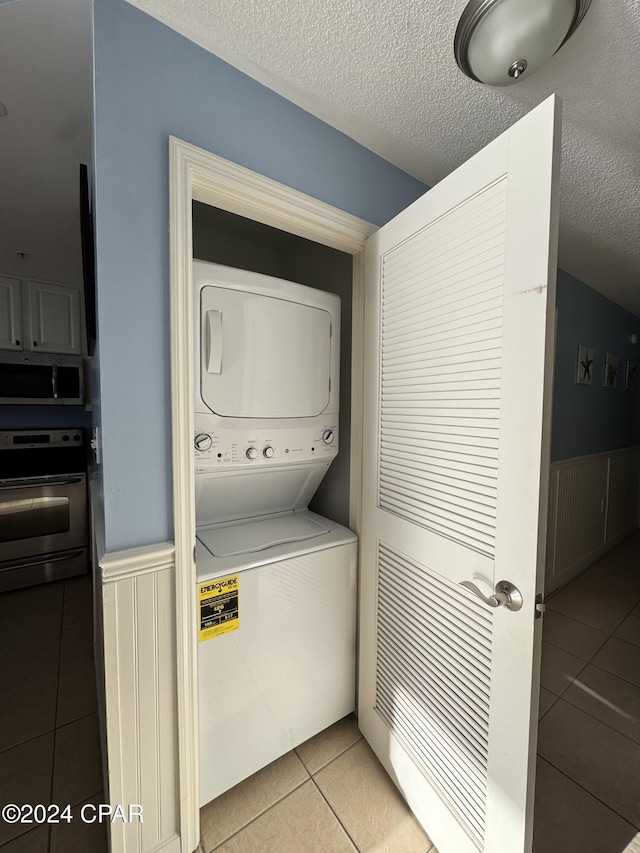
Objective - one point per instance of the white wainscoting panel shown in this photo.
(138, 598)
(593, 505)
(622, 507)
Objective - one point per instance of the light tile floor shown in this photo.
(331, 794)
(49, 743)
(588, 783)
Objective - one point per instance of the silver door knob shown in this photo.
(505, 595)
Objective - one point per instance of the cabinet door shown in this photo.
(10, 314)
(55, 318)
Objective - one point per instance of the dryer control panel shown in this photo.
(233, 448)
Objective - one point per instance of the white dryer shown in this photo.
(267, 371)
(276, 584)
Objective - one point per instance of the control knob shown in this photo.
(268, 452)
(328, 435)
(203, 441)
(251, 453)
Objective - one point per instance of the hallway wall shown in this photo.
(591, 418)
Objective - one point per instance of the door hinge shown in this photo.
(194, 553)
(540, 605)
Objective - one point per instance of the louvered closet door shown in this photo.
(459, 311)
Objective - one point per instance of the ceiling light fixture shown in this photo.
(499, 42)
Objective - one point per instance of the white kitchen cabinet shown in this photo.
(54, 316)
(40, 316)
(11, 313)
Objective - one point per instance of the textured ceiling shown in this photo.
(384, 74)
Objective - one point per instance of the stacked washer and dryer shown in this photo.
(276, 583)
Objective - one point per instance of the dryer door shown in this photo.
(263, 357)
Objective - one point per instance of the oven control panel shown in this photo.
(37, 438)
(220, 448)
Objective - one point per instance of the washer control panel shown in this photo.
(224, 448)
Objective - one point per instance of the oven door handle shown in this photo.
(36, 483)
(43, 558)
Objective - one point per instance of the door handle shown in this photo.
(37, 482)
(505, 595)
(214, 341)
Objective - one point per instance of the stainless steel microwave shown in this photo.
(41, 379)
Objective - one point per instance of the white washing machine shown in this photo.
(286, 668)
(276, 584)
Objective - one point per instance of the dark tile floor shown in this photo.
(588, 786)
(49, 741)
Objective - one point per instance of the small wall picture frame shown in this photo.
(584, 373)
(610, 379)
(630, 375)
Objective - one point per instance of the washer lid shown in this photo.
(224, 496)
(262, 356)
(258, 535)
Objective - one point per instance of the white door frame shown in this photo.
(195, 174)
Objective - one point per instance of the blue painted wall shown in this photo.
(150, 83)
(591, 418)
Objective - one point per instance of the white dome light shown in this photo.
(499, 42)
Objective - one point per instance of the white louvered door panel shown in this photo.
(460, 305)
(440, 405)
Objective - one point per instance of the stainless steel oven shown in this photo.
(43, 507)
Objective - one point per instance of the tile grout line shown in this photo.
(331, 809)
(284, 796)
(590, 793)
(560, 695)
(256, 817)
(588, 625)
(31, 639)
(562, 648)
(589, 661)
(597, 719)
(555, 699)
(331, 760)
(54, 728)
(55, 718)
(614, 674)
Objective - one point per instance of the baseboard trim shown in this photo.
(574, 571)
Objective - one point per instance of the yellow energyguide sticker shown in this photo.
(219, 607)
